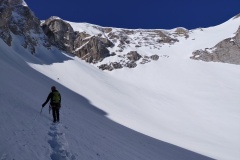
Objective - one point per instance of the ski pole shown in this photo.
(41, 110)
(50, 109)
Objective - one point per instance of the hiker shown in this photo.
(55, 102)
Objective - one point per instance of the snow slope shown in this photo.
(177, 100)
(124, 114)
(84, 132)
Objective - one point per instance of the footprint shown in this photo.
(55, 134)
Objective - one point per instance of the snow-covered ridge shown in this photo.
(118, 44)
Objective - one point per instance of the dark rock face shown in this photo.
(59, 33)
(116, 65)
(131, 60)
(154, 57)
(133, 56)
(18, 19)
(165, 38)
(131, 65)
(237, 16)
(92, 49)
(182, 31)
(6, 13)
(111, 66)
(106, 67)
(226, 51)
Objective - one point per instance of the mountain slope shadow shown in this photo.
(86, 129)
(94, 136)
(43, 56)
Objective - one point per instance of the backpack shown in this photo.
(56, 97)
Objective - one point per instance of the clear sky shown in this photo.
(146, 14)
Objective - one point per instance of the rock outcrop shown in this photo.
(129, 60)
(60, 33)
(133, 56)
(18, 19)
(226, 51)
(182, 32)
(90, 48)
(111, 66)
(94, 50)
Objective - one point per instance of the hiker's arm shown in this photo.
(60, 98)
(48, 98)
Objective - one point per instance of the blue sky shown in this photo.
(146, 14)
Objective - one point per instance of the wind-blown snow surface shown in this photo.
(84, 132)
(191, 104)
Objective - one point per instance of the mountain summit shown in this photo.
(106, 47)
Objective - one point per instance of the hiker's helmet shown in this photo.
(53, 88)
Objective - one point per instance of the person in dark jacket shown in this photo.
(55, 102)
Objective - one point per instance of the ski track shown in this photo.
(59, 144)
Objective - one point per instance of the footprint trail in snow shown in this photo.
(59, 144)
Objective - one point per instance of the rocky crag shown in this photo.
(91, 48)
(226, 51)
(108, 42)
(17, 19)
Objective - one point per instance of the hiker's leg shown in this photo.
(57, 112)
(54, 113)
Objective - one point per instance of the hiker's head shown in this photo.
(53, 88)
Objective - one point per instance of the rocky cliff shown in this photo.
(91, 48)
(103, 42)
(226, 51)
(16, 19)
